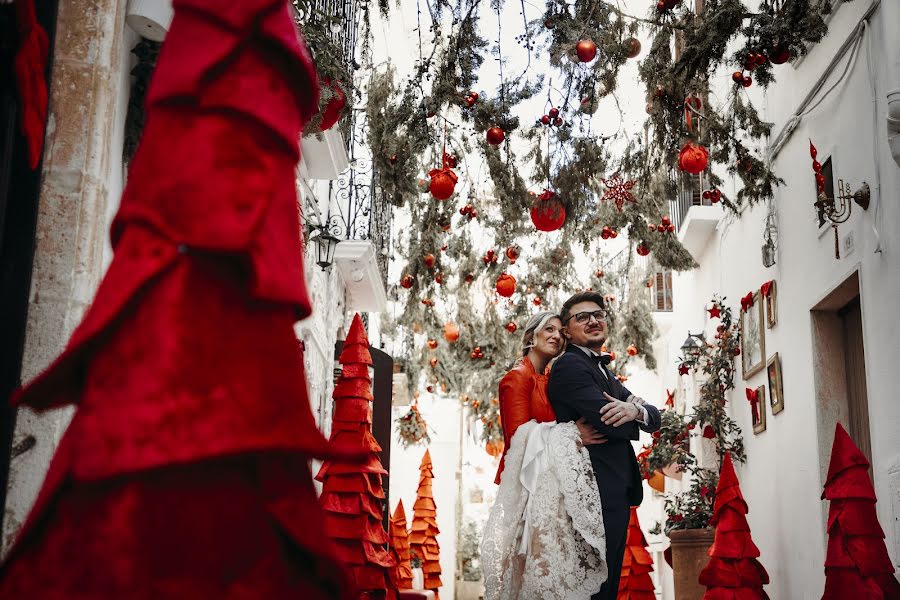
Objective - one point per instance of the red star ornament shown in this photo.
(683, 369)
(714, 312)
(618, 190)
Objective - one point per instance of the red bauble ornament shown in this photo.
(332, 111)
(512, 253)
(429, 260)
(495, 136)
(738, 77)
(670, 227)
(747, 82)
(451, 332)
(474, 96)
(694, 158)
(450, 160)
(511, 327)
(537, 301)
(545, 119)
(598, 274)
(506, 285)
(632, 47)
(586, 50)
(715, 196)
(606, 232)
(643, 250)
(433, 362)
(813, 153)
(660, 228)
(547, 212)
(558, 121)
(439, 279)
(780, 54)
(632, 350)
(554, 112)
(470, 101)
(393, 159)
(666, 221)
(443, 182)
(817, 166)
(549, 23)
(407, 281)
(432, 343)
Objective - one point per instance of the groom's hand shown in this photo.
(616, 412)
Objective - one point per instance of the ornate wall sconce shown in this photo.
(837, 210)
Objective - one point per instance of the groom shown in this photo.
(581, 386)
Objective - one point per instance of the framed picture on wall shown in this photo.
(753, 342)
(769, 292)
(776, 391)
(759, 415)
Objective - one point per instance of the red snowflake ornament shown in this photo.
(618, 190)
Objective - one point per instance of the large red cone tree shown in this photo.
(401, 573)
(183, 473)
(423, 538)
(352, 493)
(637, 564)
(857, 565)
(733, 571)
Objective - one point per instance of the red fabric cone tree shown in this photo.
(733, 573)
(184, 472)
(352, 495)
(401, 574)
(857, 564)
(423, 537)
(637, 564)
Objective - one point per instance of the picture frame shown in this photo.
(771, 305)
(753, 338)
(759, 425)
(776, 390)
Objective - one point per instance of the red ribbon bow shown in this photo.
(670, 398)
(753, 398)
(747, 302)
(766, 288)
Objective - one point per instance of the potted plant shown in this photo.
(688, 513)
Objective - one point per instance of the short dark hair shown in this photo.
(588, 296)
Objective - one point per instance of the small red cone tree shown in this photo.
(637, 564)
(401, 573)
(733, 573)
(352, 495)
(857, 564)
(423, 538)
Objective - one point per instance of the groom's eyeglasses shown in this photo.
(585, 316)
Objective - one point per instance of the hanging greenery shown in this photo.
(412, 428)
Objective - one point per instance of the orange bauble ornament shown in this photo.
(693, 159)
(632, 350)
(432, 343)
(547, 212)
(512, 253)
(451, 332)
(506, 285)
(429, 260)
(407, 281)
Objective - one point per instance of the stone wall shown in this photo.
(82, 165)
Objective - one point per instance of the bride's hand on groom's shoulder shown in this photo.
(616, 412)
(589, 435)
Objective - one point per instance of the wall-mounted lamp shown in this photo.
(837, 210)
(325, 245)
(691, 348)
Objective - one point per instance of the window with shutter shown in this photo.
(661, 291)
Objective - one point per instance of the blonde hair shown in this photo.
(534, 323)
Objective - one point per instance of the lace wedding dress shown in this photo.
(544, 537)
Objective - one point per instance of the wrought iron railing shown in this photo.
(690, 193)
(357, 207)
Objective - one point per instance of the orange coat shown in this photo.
(523, 396)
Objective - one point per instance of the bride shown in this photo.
(543, 538)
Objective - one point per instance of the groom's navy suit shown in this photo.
(575, 389)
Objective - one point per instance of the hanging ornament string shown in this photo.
(692, 105)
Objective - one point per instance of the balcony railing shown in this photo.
(690, 193)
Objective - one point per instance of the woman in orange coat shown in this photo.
(523, 390)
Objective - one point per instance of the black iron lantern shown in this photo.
(325, 245)
(691, 347)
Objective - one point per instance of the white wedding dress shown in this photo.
(544, 538)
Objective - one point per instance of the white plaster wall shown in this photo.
(443, 416)
(781, 479)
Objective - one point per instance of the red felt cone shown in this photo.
(857, 564)
(401, 574)
(635, 582)
(733, 572)
(183, 473)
